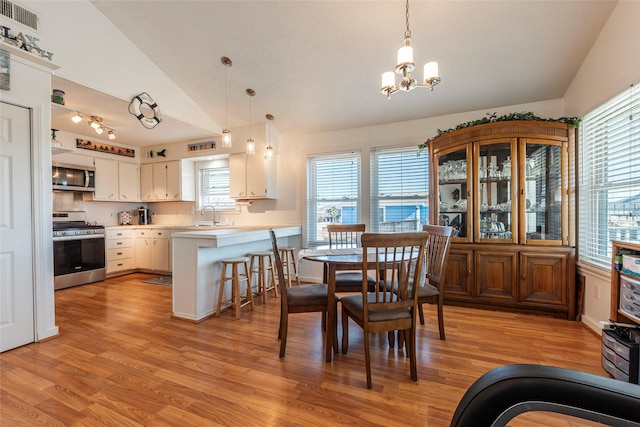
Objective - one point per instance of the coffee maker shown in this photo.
(143, 216)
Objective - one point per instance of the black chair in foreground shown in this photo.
(505, 392)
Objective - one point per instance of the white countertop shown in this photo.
(237, 235)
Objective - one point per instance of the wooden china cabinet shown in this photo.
(507, 189)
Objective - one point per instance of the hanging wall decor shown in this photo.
(105, 148)
(146, 110)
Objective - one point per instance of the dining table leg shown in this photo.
(332, 321)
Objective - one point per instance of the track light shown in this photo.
(96, 124)
(77, 118)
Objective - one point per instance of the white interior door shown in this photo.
(16, 229)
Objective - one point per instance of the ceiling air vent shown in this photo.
(20, 14)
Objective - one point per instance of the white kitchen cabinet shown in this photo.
(116, 181)
(146, 182)
(168, 181)
(252, 176)
(119, 247)
(152, 249)
(128, 182)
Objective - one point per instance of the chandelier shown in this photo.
(406, 66)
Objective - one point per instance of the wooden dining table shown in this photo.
(341, 259)
(334, 260)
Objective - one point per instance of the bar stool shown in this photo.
(237, 277)
(289, 262)
(262, 265)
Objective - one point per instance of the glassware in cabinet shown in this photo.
(495, 210)
(542, 191)
(454, 172)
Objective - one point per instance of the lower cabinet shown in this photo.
(119, 247)
(152, 250)
(512, 277)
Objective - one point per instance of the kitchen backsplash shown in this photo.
(168, 213)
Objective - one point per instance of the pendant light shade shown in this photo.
(226, 133)
(251, 144)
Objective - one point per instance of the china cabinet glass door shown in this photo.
(542, 192)
(454, 172)
(495, 210)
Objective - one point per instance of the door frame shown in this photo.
(31, 88)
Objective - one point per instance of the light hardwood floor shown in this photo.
(121, 360)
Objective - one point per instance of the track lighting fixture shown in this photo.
(96, 124)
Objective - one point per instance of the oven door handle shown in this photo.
(85, 237)
(86, 178)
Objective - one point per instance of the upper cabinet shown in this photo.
(252, 176)
(168, 181)
(116, 181)
(507, 182)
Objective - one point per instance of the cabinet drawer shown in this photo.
(120, 253)
(120, 265)
(152, 232)
(119, 243)
(616, 373)
(617, 347)
(619, 362)
(115, 233)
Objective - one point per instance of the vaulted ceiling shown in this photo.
(316, 65)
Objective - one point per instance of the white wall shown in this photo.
(612, 64)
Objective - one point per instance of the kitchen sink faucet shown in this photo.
(214, 220)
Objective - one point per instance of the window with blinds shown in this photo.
(399, 189)
(609, 177)
(333, 193)
(214, 187)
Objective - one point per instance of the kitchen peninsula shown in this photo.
(196, 263)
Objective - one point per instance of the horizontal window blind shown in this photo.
(609, 177)
(333, 193)
(214, 187)
(399, 189)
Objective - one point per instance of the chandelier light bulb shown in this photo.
(405, 55)
(77, 118)
(112, 135)
(430, 70)
(388, 79)
(268, 153)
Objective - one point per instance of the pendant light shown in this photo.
(268, 154)
(251, 144)
(226, 133)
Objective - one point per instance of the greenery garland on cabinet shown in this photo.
(492, 117)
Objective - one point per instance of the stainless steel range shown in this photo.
(78, 250)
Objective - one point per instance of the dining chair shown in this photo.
(348, 236)
(307, 298)
(390, 307)
(436, 255)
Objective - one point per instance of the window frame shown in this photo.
(608, 163)
(408, 158)
(313, 200)
(222, 164)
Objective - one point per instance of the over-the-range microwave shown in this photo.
(73, 178)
